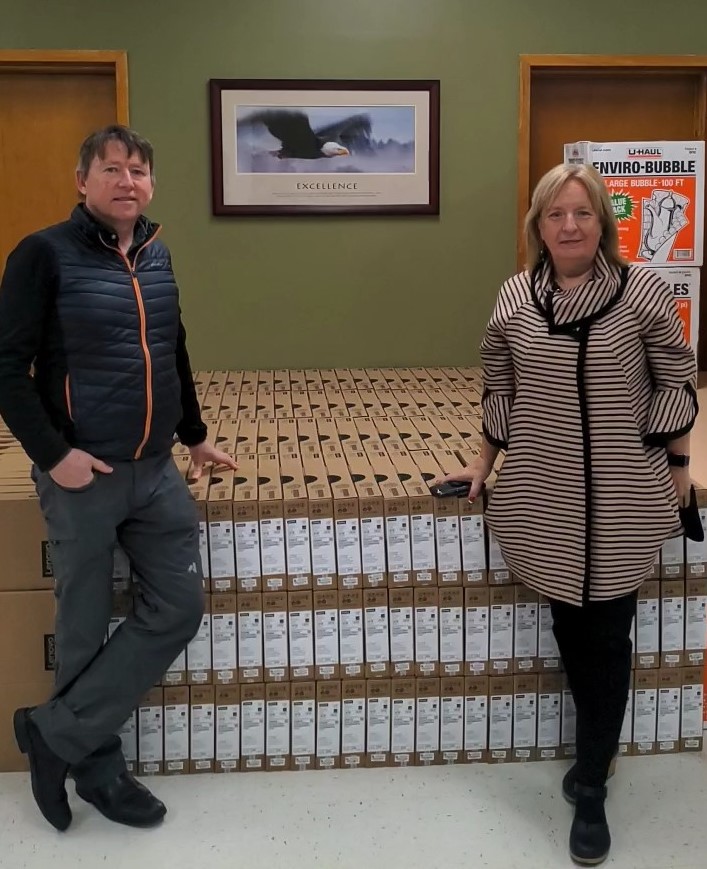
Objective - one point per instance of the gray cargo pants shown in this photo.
(146, 507)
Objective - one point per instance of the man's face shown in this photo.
(117, 188)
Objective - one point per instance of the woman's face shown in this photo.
(570, 228)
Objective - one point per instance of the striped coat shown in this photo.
(583, 389)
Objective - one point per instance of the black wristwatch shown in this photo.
(676, 460)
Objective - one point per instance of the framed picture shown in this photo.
(289, 147)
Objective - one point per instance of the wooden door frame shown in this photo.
(113, 63)
(599, 63)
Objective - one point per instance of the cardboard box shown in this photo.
(549, 716)
(477, 631)
(219, 511)
(151, 733)
(476, 719)
(647, 649)
(626, 736)
(378, 722)
(426, 632)
(376, 634)
(685, 284)
(301, 624)
(304, 725)
(202, 743)
(370, 505)
(448, 541)
(403, 718)
(253, 727)
(549, 660)
(27, 658)
(473, 543)
(328, 725)
(657, 190)
(502, 617)
(525, 717)
(672, 624)
(396, 511)
(353, 724)
(246, 522)
(498, 573)
(351, 634)
(227, 699)
(421, 506)
(326, 634)
(669, 702)
(696, 552)
(451, 631)
(525, 642)
(277, 726)
(224, 639)
(321, 523)
(275, 637)
(501, 719)
(346, 522)
(272, 524)
(199, 665)
(23, 542)
(691, 732)
(452, 703)
(297, 533)
(402, 626)
(250, 637)
(672, 559)
(695, 621)
(427, 726)
(645, 711)
(176, 730)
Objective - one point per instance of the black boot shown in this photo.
(570, 780)
(47, 769)
(590, 839)
(125, 801)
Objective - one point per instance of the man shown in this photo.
(92, 306)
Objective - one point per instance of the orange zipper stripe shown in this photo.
(67, 390)
(143, 338)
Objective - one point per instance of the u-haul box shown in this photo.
(657, 190)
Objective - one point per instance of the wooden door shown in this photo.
(48, 105)
(607, 100)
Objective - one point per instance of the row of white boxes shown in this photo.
(424, 632)
(359, 520)
(396, 722)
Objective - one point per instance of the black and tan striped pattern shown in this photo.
(585, 387)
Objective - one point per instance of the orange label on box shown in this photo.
(657, 218)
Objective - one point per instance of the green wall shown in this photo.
(324, 292)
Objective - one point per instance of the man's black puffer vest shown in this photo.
(107, 371)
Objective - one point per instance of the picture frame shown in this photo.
(324, 147)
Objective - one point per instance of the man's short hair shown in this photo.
(95, 146)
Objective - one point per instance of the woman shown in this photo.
(590, 390)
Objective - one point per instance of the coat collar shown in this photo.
(583, 304)
(98, 233)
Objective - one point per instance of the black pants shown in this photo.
(595, 644)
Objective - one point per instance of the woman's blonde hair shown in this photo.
(544, 194)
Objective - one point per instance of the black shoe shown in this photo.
(125, 801)
(47, 769)
(570, 780)
(590, 839)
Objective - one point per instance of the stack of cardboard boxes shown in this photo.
(352, 619)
